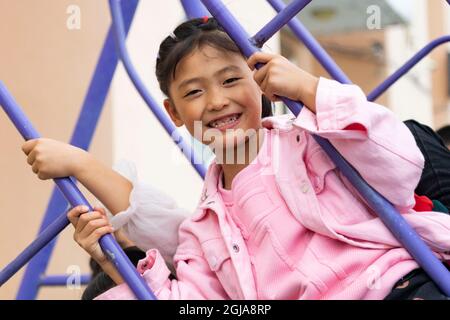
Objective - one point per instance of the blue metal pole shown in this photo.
(194, 9)
(334, 70)
(82, 135)
(145, 94)
(387, 213)
(73, 195)
(279, 21)
(63, 280)
(86, 124)
(313, 45)
(45, 236)
(406, 67)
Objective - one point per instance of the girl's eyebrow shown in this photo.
(188, 81)
(217, 73)
(226, 69)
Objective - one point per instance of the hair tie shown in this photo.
(173, 36)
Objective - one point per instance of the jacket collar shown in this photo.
(209, 197)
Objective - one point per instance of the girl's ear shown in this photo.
(173, 113)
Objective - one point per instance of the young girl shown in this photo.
(278, 223)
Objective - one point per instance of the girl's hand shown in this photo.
(89, 227)
(279, 77)
(53, 159)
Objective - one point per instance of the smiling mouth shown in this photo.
(225, 122)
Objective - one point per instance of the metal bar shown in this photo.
(194, 9)
(278, 22)
(73, 195)
(82, 135)
(378, 91)
(47, 235)
(145, 94)
(313, 45)
(63, 280)
(387, 213)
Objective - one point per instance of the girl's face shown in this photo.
(213, 94)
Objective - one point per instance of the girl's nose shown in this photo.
(217, 100)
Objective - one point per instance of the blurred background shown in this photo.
(47, 64)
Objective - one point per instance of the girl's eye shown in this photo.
(231, 80)
(190, 93)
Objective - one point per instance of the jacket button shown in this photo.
(213, 261)
(298, 138)
(235, 248)
(304, 187)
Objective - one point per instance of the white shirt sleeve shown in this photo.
(152, 219)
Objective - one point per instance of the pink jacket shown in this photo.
(379, 147)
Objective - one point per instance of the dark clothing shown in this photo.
(435, 180)
(101, 282)
(435, 184)
(416, 285)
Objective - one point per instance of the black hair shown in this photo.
(444, 133)
(185, 38)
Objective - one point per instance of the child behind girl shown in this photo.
(276, 219)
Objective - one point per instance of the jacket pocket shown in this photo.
(342, 205)
(318, 165)
(216, 253)
(219, 260)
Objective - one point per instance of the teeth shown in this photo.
(223, 122)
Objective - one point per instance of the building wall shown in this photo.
(47, 68)
(437, 12)
(447, 30)
(352, 53)
(421, 94)
(410, 97)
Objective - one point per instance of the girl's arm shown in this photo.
(369, 136)
(148, 217)
(195, 280)
(112, 272)
(53, 159)
(109, 187)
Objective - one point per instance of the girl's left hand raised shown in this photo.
(280, 77)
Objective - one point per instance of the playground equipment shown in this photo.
(38, 253)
